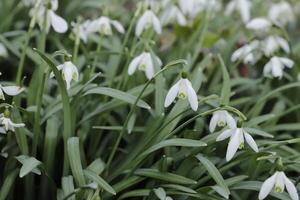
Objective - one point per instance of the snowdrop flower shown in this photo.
(147, 20)
(173, 14)
(242, 6)
(237, 138)
(82, 30)
(246, 54)
(3, 51)
(58, 23)
(69, 72)
(190, 8)
(281, 13)
(278, 181)
(276, 65)
(259, 25)
(274, 43)
(144, 62)
(8, 124)
(221, 118)
(2, 130)
(183, 89)
(104, 25)
(10, 90)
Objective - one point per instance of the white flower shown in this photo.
(242, 6)
(183, 88)
(281, 13)
(10, 90)
(3, 51)
(246, 54)
(147, 20)
(221, 118)
(82, 30)
(276, 65)
(144, 62)
(58, 23)
(2, 130)
(237, 138)
(173, 14)
(278, 181)
(69, 72)
(274, 43)
(8, 124)
(259, 25)
(104, 25)
(190, 8)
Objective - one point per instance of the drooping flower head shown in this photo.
(273, 43)
(242, 6)
(10, 90)
(104, 25)
(259, 25)
(276, 66)
(146, 21)
(173, 14)
(281, 13)
(246, 53)
(7, 123)
(221, 118)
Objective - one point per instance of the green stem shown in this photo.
(76, 45)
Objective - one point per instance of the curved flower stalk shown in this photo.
(146, 21)
(3, 50)
(281, 13)
(276, 66)
(173, 14)
(278, 181)
(182, 89)
(237, 138)
(104, 25)
(69, 73)
(242, 6)
(273, 43)
(8, 125)
(221, 118)
(144, 62)
(259, 25)
(246, 54)
(58, 23)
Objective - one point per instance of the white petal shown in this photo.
(12, 90)
(291, 188)
(75, 74)
(134, 64)
(279, 182)
(118, 26)
(58, 23)
(172, 94)
(149, 70)
(2, 130)
(68, 74)
(181, 19)
(192, 96)
(250, 141)
(213, 122)
(140, 26)
(225, 134)
(233, 145)
(287, 62)
(283, 44)
(231, 123)
(156, 24)
(267, 186)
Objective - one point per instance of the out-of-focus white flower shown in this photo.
(276, 65)
(69, 72)
(259, 25)
(242, 6)
(273, 43)
(173, 14)
(144, 62)
(103, 25)
(82, 30)
(237, 139)
(29, 3)
(3, 51)
(246, 54)
(221, 118)
(10, 90)
(2, 130)
(190, 8)
(183, 89)
(58, 23)
(147, 20)
(278, 181)
(281, 13)
(8, 124)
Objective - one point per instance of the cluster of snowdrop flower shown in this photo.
(268, 43)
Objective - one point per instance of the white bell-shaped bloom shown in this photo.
(182, 89)
(10, 90)
(52, 19)
(273, 43)
(104, 25)
(242, 6)
(83, 30)
(278, 181)
(3, 51)
(281, 13)
(8, 124)
(276, 66)
(237, 139)
(146, 21)
(173, 14)
(69, 72)
(221, 118)
(246, 53)
(144, 62)
(259, 25)
(190, 8)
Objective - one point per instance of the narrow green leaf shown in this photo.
(7, 184)
(260, 119)
(68, 187)
(179, 188)
(225, 95)
(136, 193)
(97, 166)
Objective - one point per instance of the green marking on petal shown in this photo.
(182, 95)
(221, 123)
(278, 189)
(242, 145)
